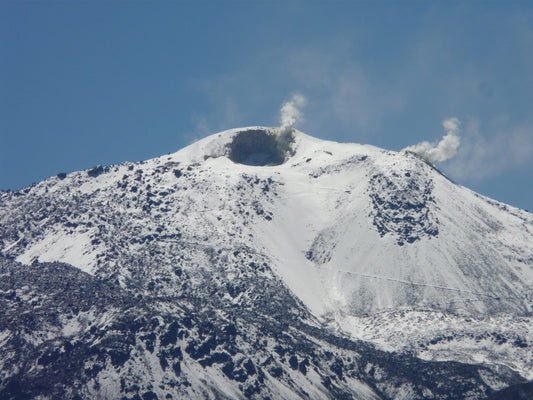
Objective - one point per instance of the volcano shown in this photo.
(263, 263)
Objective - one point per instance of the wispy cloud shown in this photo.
(223, 108)
(342, 99)
(341, 95)
(483, 155)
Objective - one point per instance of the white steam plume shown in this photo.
(291, 111)
(445, 149)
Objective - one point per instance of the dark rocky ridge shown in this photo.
(41, 357)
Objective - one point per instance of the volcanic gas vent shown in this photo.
(260, 147)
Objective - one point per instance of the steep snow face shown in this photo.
(349, 228)
(386, 231)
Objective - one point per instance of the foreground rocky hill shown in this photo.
(66, 334)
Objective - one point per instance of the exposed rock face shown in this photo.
(401, 206)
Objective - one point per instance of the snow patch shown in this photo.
(71, 248)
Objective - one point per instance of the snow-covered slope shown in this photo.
(349, 227)
(354, 231)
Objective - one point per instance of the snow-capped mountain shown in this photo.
(258, 263)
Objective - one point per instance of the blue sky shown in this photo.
(89, 82)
